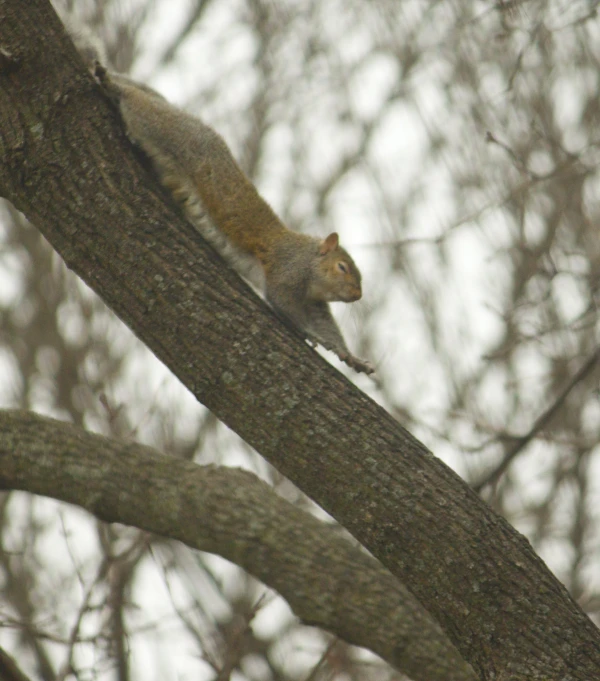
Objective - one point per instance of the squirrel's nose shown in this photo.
(355, 293)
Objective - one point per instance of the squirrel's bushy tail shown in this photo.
(88, 44)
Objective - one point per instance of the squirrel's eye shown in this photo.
(342, 267)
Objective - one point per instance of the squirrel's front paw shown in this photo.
(359, 365)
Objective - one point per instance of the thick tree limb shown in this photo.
(328, 582)
(67, 166)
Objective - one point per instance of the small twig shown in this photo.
(492, 139)
(74, 637)
(204, 643)
(539, 423)
(313, 673)
(235, 644)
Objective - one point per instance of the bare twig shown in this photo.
(540, 422)
(235, 648)
(322, 660)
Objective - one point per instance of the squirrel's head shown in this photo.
(339, 278)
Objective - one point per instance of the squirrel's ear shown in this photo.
(329, 244)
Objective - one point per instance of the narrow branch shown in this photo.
(541, 422)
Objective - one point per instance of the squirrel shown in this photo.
(298, 274)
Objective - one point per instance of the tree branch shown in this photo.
(541, 422)
(328, 582)
(67, 165)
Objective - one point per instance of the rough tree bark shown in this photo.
(328, 582)
(67, 165)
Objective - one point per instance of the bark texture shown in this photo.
(328, 582)
(66, 164)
